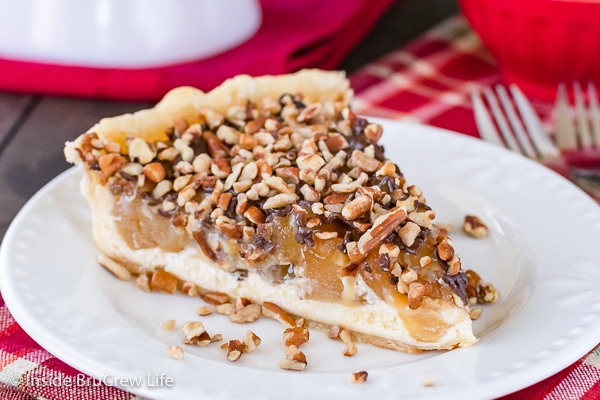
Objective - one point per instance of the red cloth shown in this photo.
(294, 34)
(428, 81)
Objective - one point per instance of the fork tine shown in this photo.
(486, 127)
(594, 113)
(515, 123)
(547, 150)
(507, 135)
(583, 130)
(565, 131)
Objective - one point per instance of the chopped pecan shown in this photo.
(445, 250)
(296, 336)
(295, 360)
(417, 292)
(215, 298)
(280, 200)
(251, 341)
(111, 163)
(155, 172)
(175, 352)
(408, 233)
(140, 150)
(114, 267)
(234, 349)
(346, 337)
(195, 333)
(292, 365)
(383, 226)
(205, 310)
(254, 215)
(475, 227)
(189, 288)
(357, 208)
(373, 132)
(336, 142)
(362, 161)
(168, 324)
(163, 281)
(246, 313)
(275, 312)
(359, 377)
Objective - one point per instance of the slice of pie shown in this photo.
(271, 189)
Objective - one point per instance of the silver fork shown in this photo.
(578, 133)
(581, 132)
(510, 121)
(520, 129)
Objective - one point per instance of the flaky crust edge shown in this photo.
(183, 103)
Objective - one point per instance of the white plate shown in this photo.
(542, 254)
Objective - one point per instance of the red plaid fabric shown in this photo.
(428, 81)
(29, 372)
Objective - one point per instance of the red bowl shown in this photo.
(539, 43)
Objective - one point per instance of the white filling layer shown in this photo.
(452, 324)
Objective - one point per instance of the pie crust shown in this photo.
(270, 189)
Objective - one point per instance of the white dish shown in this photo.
(124, 33)
(541, 254)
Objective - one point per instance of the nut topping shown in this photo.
(359, 377)
(296, 336)
(475, 227)
(350, 349)
(445, 251)
(280, 200)
(246, 313)
(114, 267)
(234, 349)
(357, 208)
(175, 352)
(215, 298)
(155, 172)
(275, 312)
(383, 226)
(416, 293)
(231, 178)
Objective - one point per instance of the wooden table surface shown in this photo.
(34, 128)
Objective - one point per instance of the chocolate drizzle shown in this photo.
(304, 234)
(458, 283)
(359, 141)
(384, 262)
(263, 243)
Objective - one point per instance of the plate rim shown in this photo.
(12, 301)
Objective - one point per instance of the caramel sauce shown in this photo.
(423, 326)
(426, 327)
(321, 262)
(141, 228)
(288, 249)
(380, 282)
